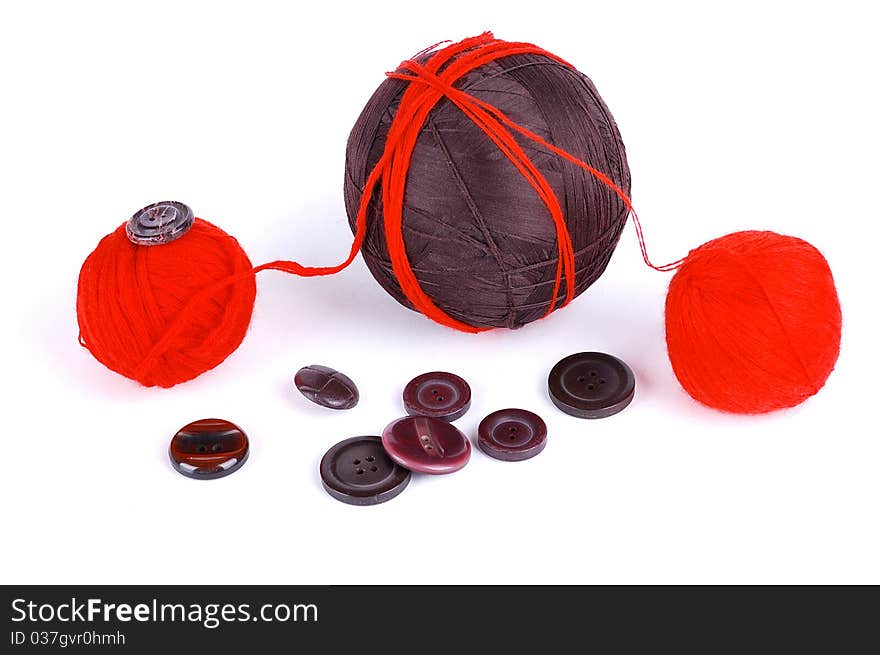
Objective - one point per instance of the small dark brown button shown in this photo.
(437, 394)
(208, 449)
(426, 445)
(358, 471)
(591, 385)
(512, 435)
(326, 387)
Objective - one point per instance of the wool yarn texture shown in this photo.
(167, 326)
(487, 185)
(753, 322)
(162, 315)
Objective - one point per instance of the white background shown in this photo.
(762, 116)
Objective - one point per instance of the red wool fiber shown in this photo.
(752, 318)
(753, 322)
(165, 314)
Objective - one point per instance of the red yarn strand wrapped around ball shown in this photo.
(163, 314)
(471, 239)
(752, 319)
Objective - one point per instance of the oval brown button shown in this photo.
(358, 471)
(512, 435)
(591, 385)
(426, 445)
(209, 448)
(326, 387)
(437, 394)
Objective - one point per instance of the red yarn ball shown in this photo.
(753, 322)
(164, 314)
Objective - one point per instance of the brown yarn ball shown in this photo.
(479, 239)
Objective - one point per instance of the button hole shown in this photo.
(373, 469)
(203, 448)
(356, 462)
(582, 379)
(601, 380)
(591, 387)
(360, 471)
(593, 374)
(371, 458)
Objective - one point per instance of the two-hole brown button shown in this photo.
(426, 445)
(512, 435)
(437, 394)
(208, 449)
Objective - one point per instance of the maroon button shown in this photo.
(208, 449)
(426, 445)
(326, 387)
(437, 394)
(358, 471)
(512, 435)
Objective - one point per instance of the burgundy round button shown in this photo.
(512, 435)
(358, 471)
(426, 444)
(208, 449)
(591, 385)
(437, 394)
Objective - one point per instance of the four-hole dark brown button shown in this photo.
(426, 445)
(512, 435)
(208, 449)
(437, 394)
(358, 471)
(591, 385)
(326, 387)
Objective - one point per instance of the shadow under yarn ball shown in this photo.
(478, 237)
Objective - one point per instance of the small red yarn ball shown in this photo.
(753, 322)
(164, 314)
